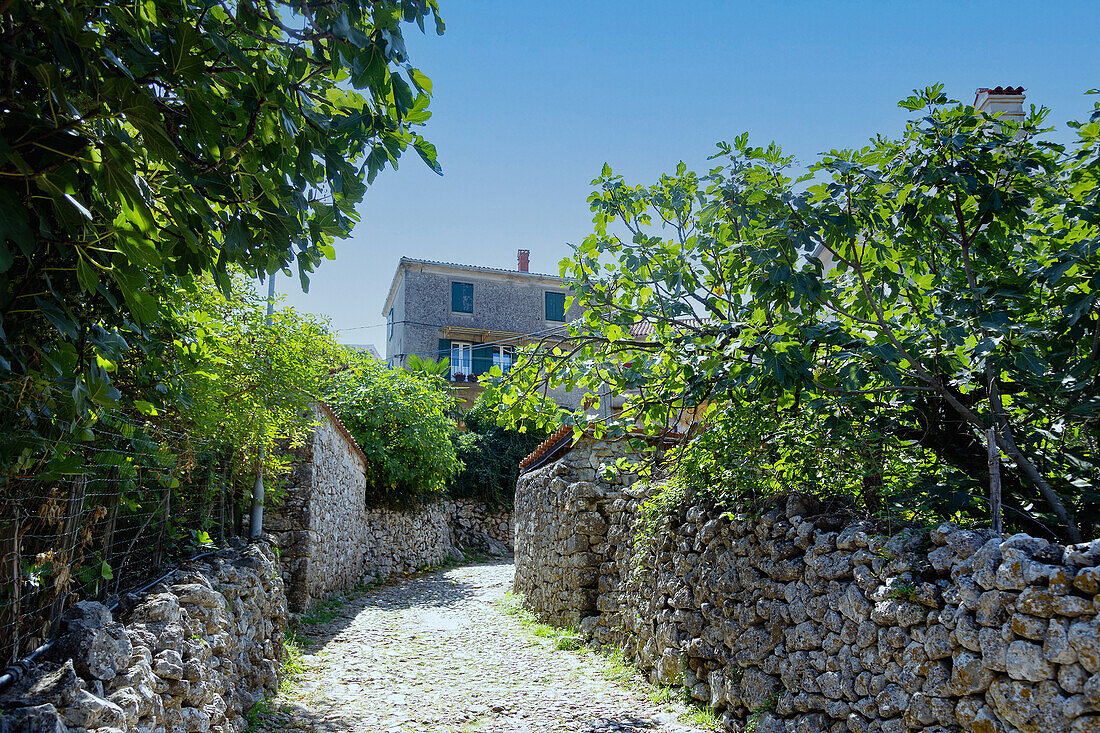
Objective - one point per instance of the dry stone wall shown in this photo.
(798, 620)
(471, 518)
(329, 540)
(192, 655)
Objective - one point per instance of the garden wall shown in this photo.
(329, 540)
(806, 621)
(192, 655)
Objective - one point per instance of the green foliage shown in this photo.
(248, 384)
(429, 367)
(400, 420)
(490, 455)
(265, 709)
(899, 300)
(147, 146)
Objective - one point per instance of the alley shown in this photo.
(437, 653)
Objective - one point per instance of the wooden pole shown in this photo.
(70, 529)
(994, 480)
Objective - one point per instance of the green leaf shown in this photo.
(146, 408)
(420, 81)
(427, 153)
(86, 275)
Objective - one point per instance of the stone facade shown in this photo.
(800, 620)
(505, 301)
(329, 540)
(193, 655)
(320, 521)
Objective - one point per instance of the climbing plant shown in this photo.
(402, 422)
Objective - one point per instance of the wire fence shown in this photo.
(94, 514)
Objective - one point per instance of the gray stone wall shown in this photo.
(329, 540)
(192, 655)
(511, 302)
(469, 518)
(561, 533)
(400, 542)
(320, 520)
(800, 620)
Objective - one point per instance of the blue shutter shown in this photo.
(462, 297)
(555, 307)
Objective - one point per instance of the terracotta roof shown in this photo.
(545, 446)
(341, 428)
(642, 329)
(557, 438)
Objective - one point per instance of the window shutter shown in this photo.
(462, 297)
(444, 350)
(483, 359)
(555, 307)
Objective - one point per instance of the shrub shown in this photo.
(490, 455)
(400, 421)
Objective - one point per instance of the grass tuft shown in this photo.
(613, 665)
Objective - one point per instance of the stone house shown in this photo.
(475, 316)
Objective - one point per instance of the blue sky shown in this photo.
(531, 98)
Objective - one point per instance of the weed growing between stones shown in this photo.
(564, 638)
(703, 717)
(266, 707)
(613, 664)
(768, 706)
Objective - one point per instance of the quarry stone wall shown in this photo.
(799, 619)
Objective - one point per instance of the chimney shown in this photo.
(525, 260)
(1005, 102)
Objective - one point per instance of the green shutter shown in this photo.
(482, 359)
(555, 307)
(444, 350)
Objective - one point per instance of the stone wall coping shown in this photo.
(556, 441)
(342, 429)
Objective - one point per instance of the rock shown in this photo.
(1031, 708)
(969, 675)
(1084, 637)
(1025, 661)
(1088, 580)
(670, 668)
(163, 608)
(1086, 724)
(89, 711)
(168, 665)
(42, 718)
(58, 688)
(97, 646)
(198, 595)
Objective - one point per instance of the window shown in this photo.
(503, 357)
(461, 359)
(389, 324)
(555, 307)
(462, 297)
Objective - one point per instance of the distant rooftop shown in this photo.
(369, 348)
(476, 268)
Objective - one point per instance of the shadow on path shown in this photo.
(425, 590)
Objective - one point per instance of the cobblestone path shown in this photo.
(436, 653)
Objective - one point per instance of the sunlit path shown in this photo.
(436, 653)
